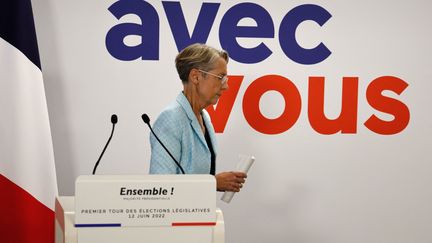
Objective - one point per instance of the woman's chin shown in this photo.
(215, 100)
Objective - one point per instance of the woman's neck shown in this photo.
(194, 100)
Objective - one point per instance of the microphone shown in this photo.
(114, 120)
(146, 120)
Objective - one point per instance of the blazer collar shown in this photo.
(184, 103)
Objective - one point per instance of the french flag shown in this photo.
(28, 185)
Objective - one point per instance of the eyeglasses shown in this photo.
(223, 79)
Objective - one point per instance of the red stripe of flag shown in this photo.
(23, 218)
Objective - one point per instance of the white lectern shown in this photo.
(141, 208)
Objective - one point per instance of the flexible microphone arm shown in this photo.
(146, 120)
(114, 120)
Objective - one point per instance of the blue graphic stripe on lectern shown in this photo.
(96, 225)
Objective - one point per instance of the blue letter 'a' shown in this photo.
(148, 49)
(179, 28)
(288, 28)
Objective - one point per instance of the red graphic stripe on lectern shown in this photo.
(194, 224)
(23, 218)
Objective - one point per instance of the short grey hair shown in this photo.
(199, 56)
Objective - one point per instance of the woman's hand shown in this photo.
(230, 181)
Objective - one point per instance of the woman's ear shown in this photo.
(194, 75)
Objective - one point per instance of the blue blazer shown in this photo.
(178, 128)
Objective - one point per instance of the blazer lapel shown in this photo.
(210, 130)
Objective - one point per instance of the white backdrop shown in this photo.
(305, 186)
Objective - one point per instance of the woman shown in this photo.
(185, 127)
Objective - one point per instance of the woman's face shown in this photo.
(210, 87)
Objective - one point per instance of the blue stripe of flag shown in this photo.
(17, 27)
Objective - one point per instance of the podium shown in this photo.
(140, 208)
